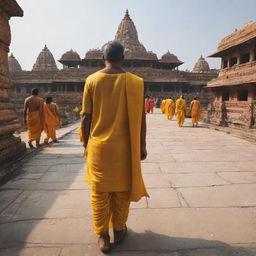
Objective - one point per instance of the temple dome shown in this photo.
(14, 65)
(169, 57)
(70, 56)
(45, 61)
(94, 54)
(128, 37)
(151, 55)
(201, 66)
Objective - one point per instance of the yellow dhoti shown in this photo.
(109, 209)
(34, 125)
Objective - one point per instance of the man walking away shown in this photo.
(33, 116)
(114, 136)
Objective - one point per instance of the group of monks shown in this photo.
(41, 116)
(169, 108)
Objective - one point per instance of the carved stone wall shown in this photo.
(10, 145)
(233, 114)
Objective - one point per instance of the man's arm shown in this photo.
(86, 127)
(143, 135)
(25, 113)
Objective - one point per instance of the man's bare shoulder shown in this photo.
(28, 98)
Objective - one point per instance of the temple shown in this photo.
(10, 146)
(235, 87)
(162, 77)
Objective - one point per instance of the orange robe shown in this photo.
(169, 108)
(180, 111)
(35, 123)
(163, 106)
(195, 109)
(52, 120)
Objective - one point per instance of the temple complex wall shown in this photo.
(66, 87)
(10, 145)
(234, 106)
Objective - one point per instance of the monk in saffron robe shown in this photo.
(34, 117)
(113, 131)
(151, 105)
(195, 110)
(147, 105)
(169, 108)
(180, 110)
(51, 120)
(163, 106)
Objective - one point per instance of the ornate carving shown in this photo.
(14, 65)
(201, 66)
(45, 61)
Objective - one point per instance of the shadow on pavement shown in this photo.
(150, 243)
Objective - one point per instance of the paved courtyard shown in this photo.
(202, 186)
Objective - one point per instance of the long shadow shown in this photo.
(159, 244)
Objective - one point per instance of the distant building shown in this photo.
(235, 86)
(162, 77)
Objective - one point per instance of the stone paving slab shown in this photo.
(238, 195)
(202, 188)
(195, 180)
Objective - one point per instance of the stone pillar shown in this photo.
(10, 145)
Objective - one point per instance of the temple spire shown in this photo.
(127, 15)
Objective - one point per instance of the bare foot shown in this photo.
(119, 235)
(104, 243)
(30, 144)
(38, 145)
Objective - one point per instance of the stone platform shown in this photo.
(202, 186)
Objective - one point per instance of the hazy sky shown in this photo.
(188, 28)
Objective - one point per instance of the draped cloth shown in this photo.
(35, 123)
(180, 111)
(163, 106)
(52, 120)
(195, 109)
(147, 106)
(110, 209)
(135, 92)
(169, 108)
(113, 151)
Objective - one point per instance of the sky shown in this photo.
(187, 28)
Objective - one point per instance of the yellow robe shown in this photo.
(35, 123)
(195, 109)
(163, 106)
(52, 120)
(113, 151)
(180, 111)
(169, 108)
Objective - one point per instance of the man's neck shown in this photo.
(112, 68)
